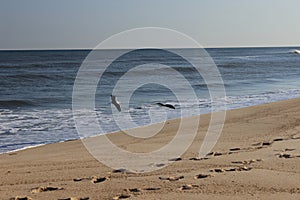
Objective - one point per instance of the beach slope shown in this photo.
(257, 156)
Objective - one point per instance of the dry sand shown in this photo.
(257, 157)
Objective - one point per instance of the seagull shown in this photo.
(166, 105)
(115, 102)
(296, 51)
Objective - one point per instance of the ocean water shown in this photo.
(36, 88)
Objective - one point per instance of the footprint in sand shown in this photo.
(76, 198)
(188, 187)
(93, 179)
(198, 158)
(238, 162)
(296, 137)
(247, 162)
(286, 155)
(77, 179)
(99, 180)
(123, 171)
(171, 178)
(287, 149)
(160, 165)
(128, 193)
(267, 143)
(278, 139)
(134, 190)
(175, 159)
(216, 154)
(235, 149)
(244, 168)
(231, 169)
(156, 165)
(152, 188)
(122, 196)
(202, 176)
(218, 170)
(20, 198)
(257, 144)
(45, 189)
(261, 144)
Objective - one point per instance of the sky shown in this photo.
(68, 24)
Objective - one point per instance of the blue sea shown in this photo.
(36, 89)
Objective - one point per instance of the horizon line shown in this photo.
(207, 47)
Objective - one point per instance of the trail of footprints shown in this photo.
(29, 198)
(253, 147)
(286, 155)
(127, 193)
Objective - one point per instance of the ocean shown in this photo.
(36, 89)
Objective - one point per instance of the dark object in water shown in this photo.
(166, 105)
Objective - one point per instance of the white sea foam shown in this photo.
(23, 148)
(34, 127)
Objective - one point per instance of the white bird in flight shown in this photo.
(296, 51)
(115, 102)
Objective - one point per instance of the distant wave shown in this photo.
(205, 85)
(230, 65)
(15, 103)
(35, 77)
(38, 65)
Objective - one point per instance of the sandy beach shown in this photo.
(256, 157)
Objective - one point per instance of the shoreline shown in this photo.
(257, 156)
(144, 126)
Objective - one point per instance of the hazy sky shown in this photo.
(43, 24)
